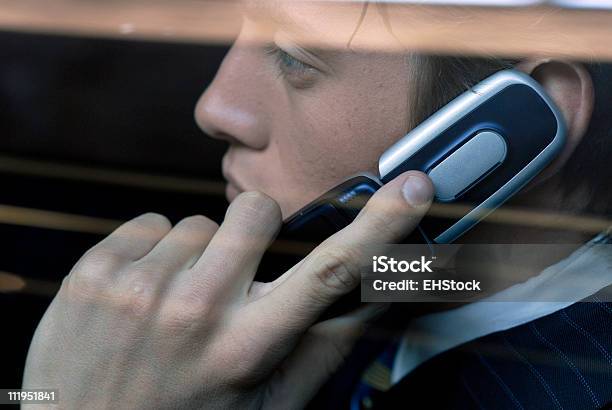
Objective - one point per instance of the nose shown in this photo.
(232, 107)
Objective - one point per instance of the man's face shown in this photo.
(302, 113)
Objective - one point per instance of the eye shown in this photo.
(297, 72)
(289, 63)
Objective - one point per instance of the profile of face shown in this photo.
(305, 101)
(300, 120)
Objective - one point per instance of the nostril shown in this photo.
(227, 138)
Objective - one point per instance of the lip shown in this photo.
(233, 188)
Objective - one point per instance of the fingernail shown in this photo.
(417, 190)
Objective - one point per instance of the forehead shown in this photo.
(326, 23)
(309, 15)
(289, 10)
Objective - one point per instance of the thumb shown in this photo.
(333, 269)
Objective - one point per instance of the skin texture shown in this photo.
(170, 316)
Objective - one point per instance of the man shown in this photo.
(171, 317)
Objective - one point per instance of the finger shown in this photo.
(181, 247)
(234, 253)
(101, 264)
(322, 350)
(132, 240)
(334, 268)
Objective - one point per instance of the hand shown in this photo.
(162, 317)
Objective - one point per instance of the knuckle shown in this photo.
(183, 313)
(154, 220)
(337, 270)
(149, 225)
(101, 257)
(65, 282)
(91, 272)
(138, 299)
(87, 289)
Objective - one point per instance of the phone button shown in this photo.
(468, 165)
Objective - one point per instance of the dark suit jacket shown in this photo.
(560, 361)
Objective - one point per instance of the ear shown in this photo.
(571, 87)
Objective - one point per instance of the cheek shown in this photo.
(329, 142)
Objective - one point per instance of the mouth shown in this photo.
(233, 188)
